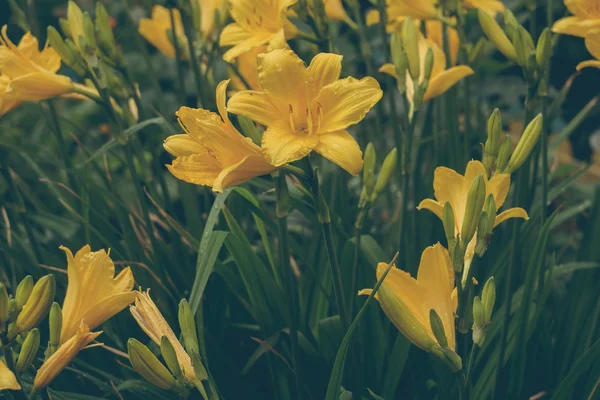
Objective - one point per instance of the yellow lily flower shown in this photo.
(450, 186)
(247, 66)
(209, 10)
(592, 42)
(94, 294)
(441, 79)
(63, 356)
(306, 109)
(407, 301)
(585, 18)
(156, 31)
(334, 9)
(28, 74)
(212, 152)
(257, 23)
(8, 380)
(152, 322)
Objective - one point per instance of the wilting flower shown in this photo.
(449, 186)
(257, 23)
(585, 18)
(307, 109)
(8, 380)
(441, 79)
(63, 356)
(160, 33)
(94, 294)
(407, 302)
(592, 42)
(247, 66)
(152, 322)
(212, 152)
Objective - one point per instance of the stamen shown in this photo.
(309, 120)
(319, 115)
(292, 117)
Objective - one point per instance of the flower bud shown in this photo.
(104, 33)
(484, 231)
(89, 31)
(510, 23)
(452, 359)
(188, 327)
(168, 353)
(503, 154)
(476, 51)
(473, 208)
(428, 64)
(29, 350)
(478, 335)
(369, 158)
(55, 325)
(398, 55)
(4, 306)
(410, 42)
(526, 144)
(523, 46)
(65, 28)
(496, 35)
(437, 327)
(196, 14)
(543, 51)
(389, 165)
(448, 222)
(489, 207)
(23, 291)
(492, 144)
(457, 254)
(478, 312)
(37, 305)
(488, 298)
(147, 365)
(66, 50)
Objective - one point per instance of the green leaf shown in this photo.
(582, 366)
(395, 366)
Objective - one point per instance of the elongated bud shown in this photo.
(457, 254)
(29, 350)
(188, 327)
(37, 305)
(196, 14)
(448, 222)
(249, 129)
(147, 365)
(473, 208)
(510, 23)
(55, 324)
(388, 167)
(104, 33)
(168, 353)
(452, 359)
(65, 28)
(399, 58)
(484, 231)
(437, 328)
(23, 292)
(522, 49)
(478, 312)
(490, 209)
(503, 154)
(543, 51)
(282, 193)
(89, 31)
(492, 144)
(4, 306)
(476, 51)
(526, 144)
(370, 157)
(496, 35)
(428, 64)
(488, 298)
(66, 50)
(410, 42)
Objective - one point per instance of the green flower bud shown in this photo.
(479, 335)
(55, 324)
(104, 33)
(452, 359)
(503, 154)
(524, 47)
(496, 35)
(543, 51)
(29, 350)
(484, 231)
(89, 31)
(168, 353)
(492, 144)
(65, 28)
(438, 328)
(526, 144)
(478, 312)
(457, 254)
(473, 208)
(448, 222)
(428, 64)
(369, 158)
(23, 291)
(147, 365)
(476, 51)
(410, 43)
(196, 14)
(398, 55)
(388, 167)
(4, 306)
(510, 23)
(37, 305)
(188, 327)
(488, 298)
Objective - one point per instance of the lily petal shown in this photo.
(255, 40)
(199, 169)
(499, 186)
(325, 68)
(182, 145)
(389, 69)
(341, 148)
(281, 145)
(440, 83)
(447, 186)
(8, 380)
(39, 86)
(249, 167)
(254, 105)
(233, 34)
(432, 206)
(516, 212)
(589, 63)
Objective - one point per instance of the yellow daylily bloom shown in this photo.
(94, 294)
(441, 79)
(209, 10)
(592, 42)
(306, 109)
(152, 322)
(435, 32)
(28, 74)
(63, 356)
(8, 380)
(585, 18)
(334, 9)
(212, 152)
(449, 186)
(257, 23)
(158, 30)
(247, 66)
(407, 301)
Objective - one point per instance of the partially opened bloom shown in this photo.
(153, 323)
(212, 152)
(63, 356)
(94, 293)
(306, 109)
(449, 186)
(585, 18)
(407, 301)
(441, 79)
(8, 380)
(592, 42)
(160, 33)
(257, 23)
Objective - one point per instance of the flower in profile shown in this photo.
(257, 23)
(592, 42)
(209, 10)
(449, 186)
(441, 79)
(152, 322)
(585, 18)
(306, 109)
(407, 301)
(160, 33)
(28, 74)
(63, 356)
(94, 293)
(8, 380)
(212, 152)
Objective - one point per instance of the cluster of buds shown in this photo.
(373, 186)
(482, 311)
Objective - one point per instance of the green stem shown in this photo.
(337, 274)
(90, 95)
(406, 163)
(180, 79)
(191, 38)
(61, 144)
(470, 365)
(358, 228)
